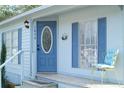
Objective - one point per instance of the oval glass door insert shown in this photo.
(46, 39)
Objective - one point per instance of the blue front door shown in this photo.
(46, 46)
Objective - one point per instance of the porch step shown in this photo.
(63, 79)
(38, 84)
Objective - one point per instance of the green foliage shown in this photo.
(3, 53)
(24, 8)
(7, 11)
(3, 59)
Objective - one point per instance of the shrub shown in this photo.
(3, 59)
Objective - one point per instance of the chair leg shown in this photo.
(116, 77)
(102, 76)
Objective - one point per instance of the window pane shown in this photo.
(88, 43)
(8, 39)
(15, 45)
(15, 39)
(8, 52)
(15, 60)
(82, 36)
(14, 50)
(46, 39)
(8, 35)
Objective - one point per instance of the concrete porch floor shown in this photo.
(76, 81)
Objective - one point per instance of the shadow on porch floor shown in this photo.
(75, 81)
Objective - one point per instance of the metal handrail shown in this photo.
(6, 62)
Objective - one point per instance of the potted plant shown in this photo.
(3, 59)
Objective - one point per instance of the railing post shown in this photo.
(22, 66)
(0, 79)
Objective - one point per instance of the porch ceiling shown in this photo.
(45, 10)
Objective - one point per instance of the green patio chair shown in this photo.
(109, 62)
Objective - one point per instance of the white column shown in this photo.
(22, 67)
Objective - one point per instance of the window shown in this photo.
(7, 39)
(46, 39)
(88, 43)
(11, 41)
(15, 45)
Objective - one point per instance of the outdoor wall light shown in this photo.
(64, 36)
(26, 23)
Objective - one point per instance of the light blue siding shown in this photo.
(26, 49)
(12, 77)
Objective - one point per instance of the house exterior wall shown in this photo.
(122, 22)
(13, 71)
(64, 48)
(114, 40)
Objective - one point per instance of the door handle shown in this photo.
(38, 48)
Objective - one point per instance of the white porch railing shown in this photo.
(7, 61)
